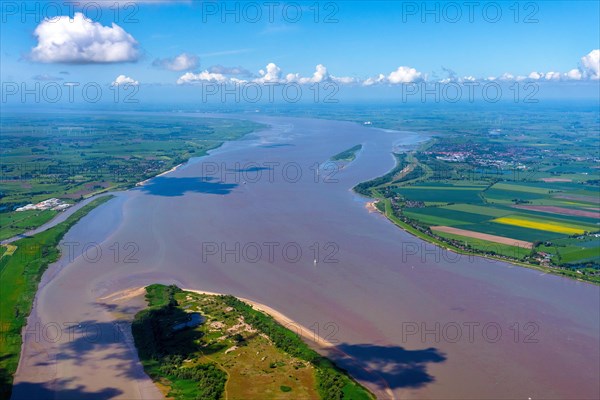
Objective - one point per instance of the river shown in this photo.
(268, 219)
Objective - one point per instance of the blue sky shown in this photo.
(361, 40)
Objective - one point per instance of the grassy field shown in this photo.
(434, 194)
(20, 274)
(485, 246)
(231, 351)
(14, 223)
(72, 157)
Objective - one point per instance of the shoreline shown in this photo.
(145, 181)
(279, 317)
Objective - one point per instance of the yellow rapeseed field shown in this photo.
(543, 226)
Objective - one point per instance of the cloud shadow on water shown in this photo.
(387, 367)
(89, 341)
(174, 187)
(29, 390)
(250, 169)
(277, 145)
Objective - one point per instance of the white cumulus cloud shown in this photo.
(372, 81)
(573, 74)
(180, 63)
(203, 76)
(271, 74)
(590, 64)
(320, 75)
(344, 80)
(124, 80)
(404, 75)
(79, 40)
(552, 76)
(506, 77)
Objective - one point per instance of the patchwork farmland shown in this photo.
(550, 223)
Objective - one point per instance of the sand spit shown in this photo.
(371, 206)
(142, 183)
(282, 319)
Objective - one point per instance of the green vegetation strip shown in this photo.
(170, 358)
(20, 274)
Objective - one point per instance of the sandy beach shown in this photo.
(142, 183)
(372, 206)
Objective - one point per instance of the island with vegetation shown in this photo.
(347, 155)
(22, 264)
(205, 346)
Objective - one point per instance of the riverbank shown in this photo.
(142, 183)
(20, 274)
(282, 319)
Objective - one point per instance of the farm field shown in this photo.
(450, 193)
(543, 225)
(507, 250)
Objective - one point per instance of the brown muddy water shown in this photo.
(255, 219)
